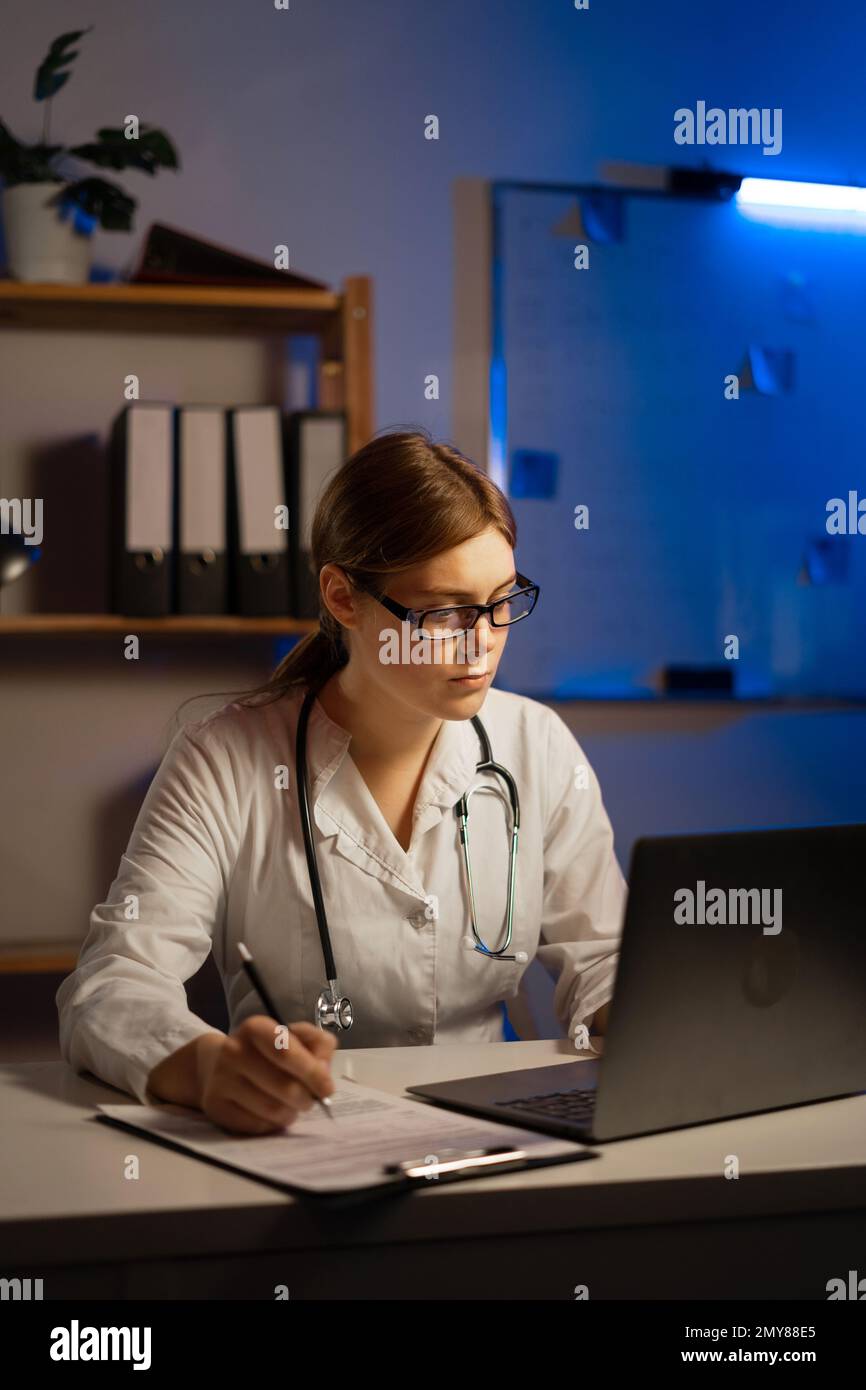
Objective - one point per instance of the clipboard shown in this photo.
(378, 1143)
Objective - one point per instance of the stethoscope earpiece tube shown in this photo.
(333, 1012)
(488, 765)
(306, 827)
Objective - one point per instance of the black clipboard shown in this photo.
(457, 1165)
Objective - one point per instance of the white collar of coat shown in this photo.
(449, 772)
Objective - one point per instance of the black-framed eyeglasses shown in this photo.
(447, 622)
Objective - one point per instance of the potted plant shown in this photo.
(49, 211)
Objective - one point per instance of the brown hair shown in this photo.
(397, 501)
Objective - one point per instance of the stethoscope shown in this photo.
(333, 1010)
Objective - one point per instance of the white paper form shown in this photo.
(370, 1129)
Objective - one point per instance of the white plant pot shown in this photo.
(39, 246)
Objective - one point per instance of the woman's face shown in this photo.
(443, 679)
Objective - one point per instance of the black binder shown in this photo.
(141, 510)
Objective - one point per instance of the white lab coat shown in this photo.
(216, 856)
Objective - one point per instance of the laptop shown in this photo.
(740, 988)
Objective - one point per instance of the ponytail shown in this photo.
(310, 663)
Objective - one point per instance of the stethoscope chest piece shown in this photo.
(333, 1011)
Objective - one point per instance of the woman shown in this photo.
(217, 853)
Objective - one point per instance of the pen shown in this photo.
(259, 986)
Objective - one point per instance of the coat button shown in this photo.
(418, 1035)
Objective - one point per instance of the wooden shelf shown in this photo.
(38, 960)
(190, 308)
(342, 321)
(112, 624)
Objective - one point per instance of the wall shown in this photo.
(306, 127)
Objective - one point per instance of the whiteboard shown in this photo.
(706, 515)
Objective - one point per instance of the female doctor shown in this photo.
(410, 540)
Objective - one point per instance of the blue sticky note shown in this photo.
(798, 303)
(604, 216)
(769, 371)
(533, 473)
(826, 561)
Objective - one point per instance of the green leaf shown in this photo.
(112, 150)
(105, 201)
(26, 163)
(7, 139)
(50, 75)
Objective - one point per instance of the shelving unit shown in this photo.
(111, 624)
(342, 321)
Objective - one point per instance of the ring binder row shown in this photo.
(211, 509)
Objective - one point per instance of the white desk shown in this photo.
(651, 1218)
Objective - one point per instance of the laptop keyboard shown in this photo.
(574, 1106)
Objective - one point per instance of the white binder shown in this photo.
(202, 495)
(261, 551)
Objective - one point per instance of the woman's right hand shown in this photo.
(252, 1081)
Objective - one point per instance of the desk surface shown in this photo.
(64, 1198)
